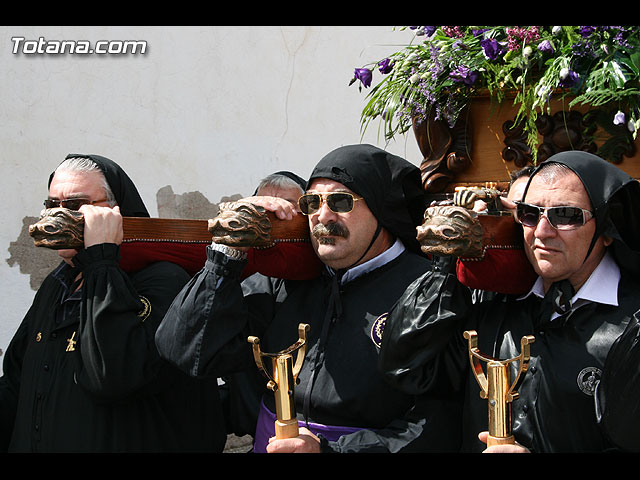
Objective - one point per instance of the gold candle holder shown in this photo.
(496, 386)
(283, 376)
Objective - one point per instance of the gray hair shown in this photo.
(86, 165)
(278, 181)
(552, 170)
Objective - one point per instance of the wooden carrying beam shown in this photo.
(239, 224)
(165, 229)
(181, 241)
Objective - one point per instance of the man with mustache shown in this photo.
(581, 234)
(363, 205)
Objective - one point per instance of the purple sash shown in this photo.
(265, 429)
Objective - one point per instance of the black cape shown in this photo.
(205, 330)
(109, 391)
(205, 334)
(615, 197)
(424, 350)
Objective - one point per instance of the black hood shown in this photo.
(390, 185)
(292, 176)
(615, 198)
(123, 188)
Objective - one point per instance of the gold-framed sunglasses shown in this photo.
(70, 203)
(338, 202)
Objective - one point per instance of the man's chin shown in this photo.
(67, 255)
(328, 254)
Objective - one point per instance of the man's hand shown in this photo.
(305, 442)
(283, 209)
(102, 225)
(512, 448)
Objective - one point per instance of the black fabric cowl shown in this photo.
(390, 185)
(614, 196)
(123, 188)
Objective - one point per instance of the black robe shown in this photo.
(424, 350)
(205, 333)
(110, 391)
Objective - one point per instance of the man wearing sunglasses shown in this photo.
(502, 270)
(363, 206)
(581, 234)
(82, 373)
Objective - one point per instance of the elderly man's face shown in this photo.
(340, 239)
(290, 194)
(560, 254)
(67, 185)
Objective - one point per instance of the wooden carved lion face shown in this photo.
(241, 224)
(58, 228)
(452, 231)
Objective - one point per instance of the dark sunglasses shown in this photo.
(560, 218)
(338, 202)
(70, 203)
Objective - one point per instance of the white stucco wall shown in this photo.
(210, 109)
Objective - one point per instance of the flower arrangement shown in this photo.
(444, 67)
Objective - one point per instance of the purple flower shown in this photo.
(586, 31)
(464, 74)
(364, 75)
(545, 46)
(568, 78)
(492, 49)
(428, 31)
(619, 118)
(385, 65)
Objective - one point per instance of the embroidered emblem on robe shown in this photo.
(146, 308)
(588, 378)
(377, 328)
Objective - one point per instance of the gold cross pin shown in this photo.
(71, 343)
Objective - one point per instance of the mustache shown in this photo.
(329, 230)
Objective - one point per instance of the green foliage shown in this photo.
(444, 67)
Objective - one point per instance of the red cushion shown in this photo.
(288, 260)
(502, 270)
(138, 254)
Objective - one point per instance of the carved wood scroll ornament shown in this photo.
(570, 130)
(446, 150)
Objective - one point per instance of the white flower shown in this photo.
(414, 78)
(631, 126)
(527, 51)
(556, 30)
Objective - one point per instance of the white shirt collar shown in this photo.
(385, 257)
(600, 287)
